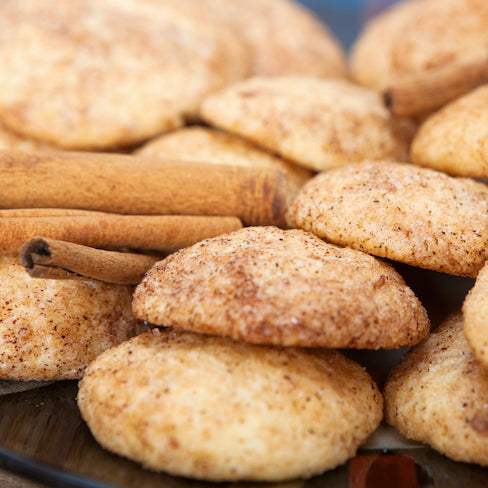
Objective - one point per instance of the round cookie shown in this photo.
(399, 211)
(438, 395)
(475, 310)
(313, 122)
(215, 409)
(88, 74)
(52, 329)
(11, 140)
(284, 37)
(414, 36)
(210, 146)
(270, 286)
(454, 139)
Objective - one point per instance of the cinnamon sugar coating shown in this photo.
(414, 36)
(475, 310)
(438, 394)
(211, 408)
(399, 211)
(313, 122)
(269, 286)
(52, 329)
(96, 74)
(283, 37)
(12, 140)
(454, 139)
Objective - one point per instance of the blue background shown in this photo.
(345, 17)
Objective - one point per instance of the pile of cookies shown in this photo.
(223, 364)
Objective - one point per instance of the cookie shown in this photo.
(454, 139)
(11, 140)
(88, 74)
(475, 309)
(52, 329)
(438, 395)
(210, 146)
(313, 122)
(414, 36)
(399, 211)
(215, 409)
(284, 37)
(270, 286)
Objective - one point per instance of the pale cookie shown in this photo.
(475, 309)
(414, 36)
(399, 211)
(206, 145)
(284, 37)
(89, 74)
(270, 286)
(11, 140)
(313, 122)
(215, 409)
(455, 139)
(438, 394)
(52, 329)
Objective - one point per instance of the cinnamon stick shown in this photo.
(135, 185)
(430, 90)
(48, 258)
(164, 233)
(45, 212)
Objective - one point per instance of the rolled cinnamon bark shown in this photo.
(133, 185)
(430, 90)
(45, 212)
(48, 258)
(165, 233)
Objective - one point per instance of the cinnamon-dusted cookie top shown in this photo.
(206, 145)
(415, 36)
(270, 286)
(12, 140)
(90, 74)
(314, 122)
(284, 37)
(438, 394)
(455, 139)
(52, 329)
(399, 211)
(475, 310)
(211, 408)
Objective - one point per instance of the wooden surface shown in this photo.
(11, 480)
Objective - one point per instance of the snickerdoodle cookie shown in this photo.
(399, 211)
(52, 329)
(455, 139)
(284, 38)
(12, 140)
(271, 286)
(211, 408)
(415, 36)
(313, 122)
(211, 146)
(438, 394)
(475, 309)
(91, 74)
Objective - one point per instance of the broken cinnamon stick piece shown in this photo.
(430, 90)
(163, 233)
(373, 471)
(48, 258)
(134, 185)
